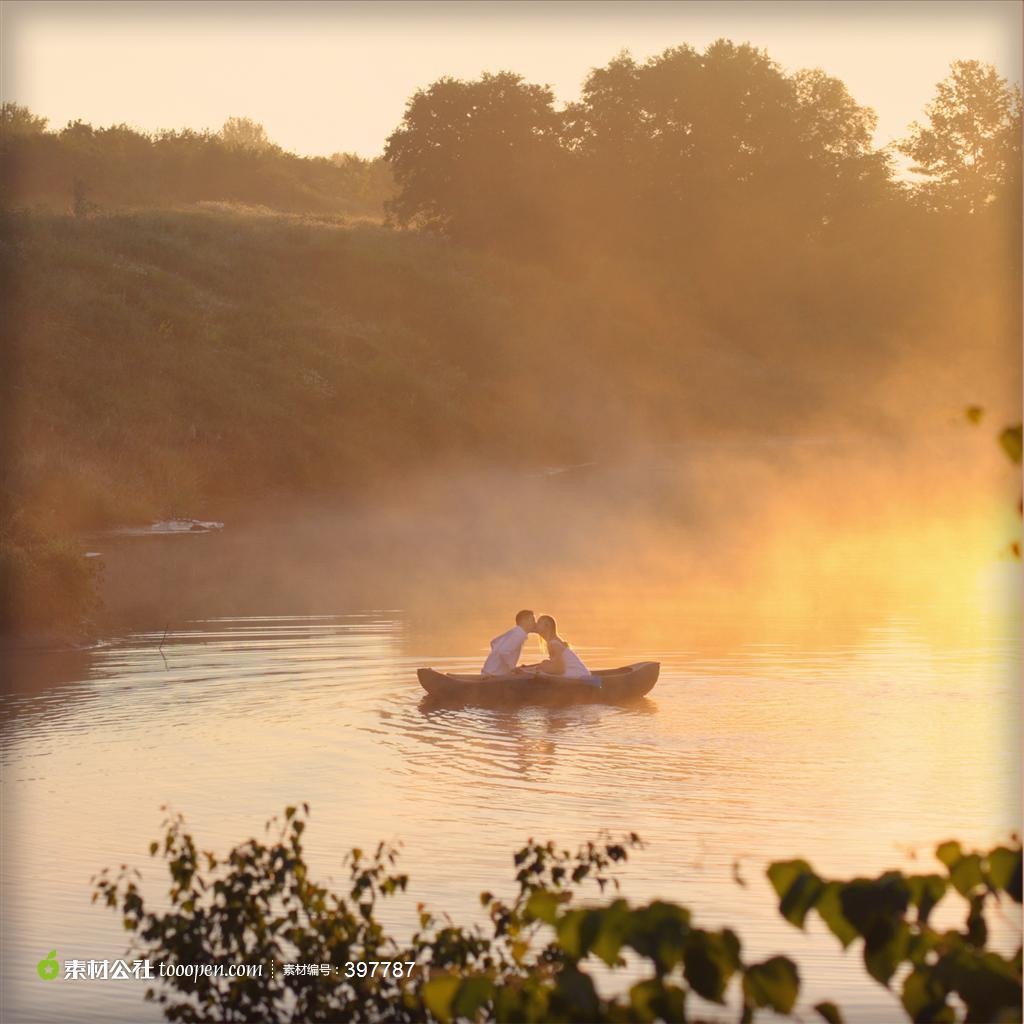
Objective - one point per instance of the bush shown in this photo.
(260, 906)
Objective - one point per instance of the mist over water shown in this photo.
(809, 528)
(838, 627)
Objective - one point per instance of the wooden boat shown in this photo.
(608, 686)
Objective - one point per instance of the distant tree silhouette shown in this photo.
(477, 161)
(667, 158)
(970, 150)
(121, 166)
(370, 179)
(15, 118)
(244, 133)
(701, 144)
(836, 134)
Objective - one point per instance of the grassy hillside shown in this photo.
(175, 361)
(168, 360)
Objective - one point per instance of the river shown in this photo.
(839, 681)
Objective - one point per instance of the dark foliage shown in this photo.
(259, 906)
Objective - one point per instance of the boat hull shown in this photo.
(617, 686)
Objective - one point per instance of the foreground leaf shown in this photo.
(885, 949)
(774, 983)
(830, 1012)
(438, 994)
(798, 888)
(831, 912)
(1010, 439)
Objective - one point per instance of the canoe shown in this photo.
(617, 685)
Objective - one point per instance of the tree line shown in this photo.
(677, 152)
(688, 151)
(84, 169)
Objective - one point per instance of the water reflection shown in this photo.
(524, 739)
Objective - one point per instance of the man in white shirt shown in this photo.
(506, 649)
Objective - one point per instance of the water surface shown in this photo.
(848, 709)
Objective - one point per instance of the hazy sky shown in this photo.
(324, 77)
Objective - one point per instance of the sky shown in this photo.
(335, 77)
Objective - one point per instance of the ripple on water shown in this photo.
(767, 750)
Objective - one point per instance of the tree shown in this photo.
(700, 147)
(667, 158)
(477, 161)
(244, 133)
(836, 134)
(970, 151)
(369, 179)
(16, 119)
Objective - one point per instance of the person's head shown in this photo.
(525, 620)
(546, 627)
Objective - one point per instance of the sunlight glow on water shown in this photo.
(856, 756)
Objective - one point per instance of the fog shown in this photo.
(794, 538)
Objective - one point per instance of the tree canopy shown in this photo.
(476, 160)
(652, 156)
(245, 133)
(668, 157)
(970, 149)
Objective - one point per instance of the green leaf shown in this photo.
(966, 874)
(644, 996)
(869, 904)
(830, 1012)
(472, 994)
(989, 985)
(774, 983)
(577, 930)
(543, 905)
(438, 994)
(527, 1001)
(922, 942)
(1003, 865)
(568, 931)
(612, 927)
(1013, 887)
(783, 873)
(831, 912)
(885, 948)
(654, 1000)
(709, 961)
(802, 895)
(576, 990)
(925, 893)
(977, 929)
(658, 932)
(798, 888)
(949, 853)
(1010, 439)
(924, 996)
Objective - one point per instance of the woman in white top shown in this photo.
(562, 660)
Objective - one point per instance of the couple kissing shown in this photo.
(506, 650)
